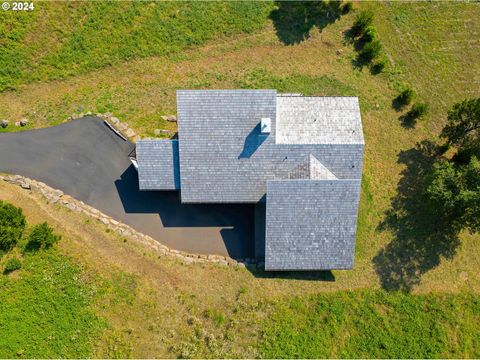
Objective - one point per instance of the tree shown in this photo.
(418, 110)
(11, 265)
(12, 224)
(42, 237)
(370, 51)
(405, 97)
(362, 21)
(463, 129)
(453, 192)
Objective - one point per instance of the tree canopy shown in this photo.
(454, 193)
(463, 129)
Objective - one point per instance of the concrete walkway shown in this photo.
(88, 161)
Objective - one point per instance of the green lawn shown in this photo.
(46, 309)
(127, 59)
(58, 40)
(366, 324)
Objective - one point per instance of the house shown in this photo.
(299, 158)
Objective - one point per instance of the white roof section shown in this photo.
(311, 168)
(318, 120)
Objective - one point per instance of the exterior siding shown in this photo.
(311, 224)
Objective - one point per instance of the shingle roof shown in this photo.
(318, 120)
(225, 158)
(311, 224)
(158, 165)
(309, 167)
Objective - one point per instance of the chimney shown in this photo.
(265, 126)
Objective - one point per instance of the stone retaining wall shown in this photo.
(58, 197)
(123, 127)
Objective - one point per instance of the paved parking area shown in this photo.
(88, 161)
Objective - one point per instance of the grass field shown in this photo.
(115, 298)
(161, 308)
(366, 324)
(46, 311)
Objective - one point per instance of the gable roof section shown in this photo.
(318, 120)
(158, 164)
(225, 158)
(311, 224)
(311, 168)
(220, 142)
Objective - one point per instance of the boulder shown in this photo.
(17, 123)
(130, 133)
(71, 206)
(156, 131)
(122, 127)
(4, 123)
(171, 118)
(25, 185)
(114, 120)
(23, 122)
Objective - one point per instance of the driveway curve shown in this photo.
(88, 161)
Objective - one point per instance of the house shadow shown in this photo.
(293, 20)
(323, 276)
(237, 220)
(252, 142)
(420, 238)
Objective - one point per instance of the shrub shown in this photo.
(347, 7)
(379, 65)
(370, 51)
(42, 237)
(363, 20)
(369, 34)
(418, 111)
(12, 224)
(405, 97)
(11, 265)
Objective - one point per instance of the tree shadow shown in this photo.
(408, 121)
(398, 105)
(293, 20)
(360, 61)
(421, 239)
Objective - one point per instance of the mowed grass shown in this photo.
(162, 308)
(374, 324)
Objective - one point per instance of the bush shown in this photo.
(363, 20)
(347, 7)
(418, 111)
(12, 224)
(11, 265)
(369, 34)
(42, 237)
(405, 97)
(370, 51)
(379, 65)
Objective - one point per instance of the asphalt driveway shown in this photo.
(88, 161)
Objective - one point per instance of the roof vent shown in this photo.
(266, 126)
